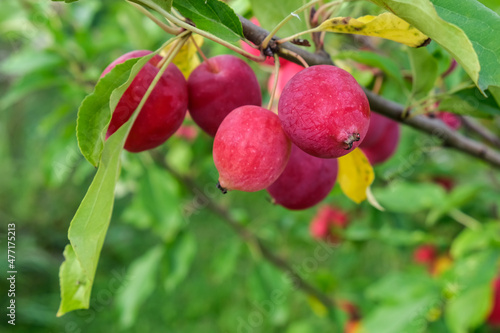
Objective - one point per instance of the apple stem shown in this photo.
(275, 84)
(170, 53)
(168, 29)
(265, 42)
(298, 57)
(182, 24)
(205, 59)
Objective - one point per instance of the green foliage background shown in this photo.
(168, 263)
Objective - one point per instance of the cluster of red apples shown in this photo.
(323, 114)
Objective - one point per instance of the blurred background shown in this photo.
(170, 263)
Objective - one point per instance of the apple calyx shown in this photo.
(353, 137)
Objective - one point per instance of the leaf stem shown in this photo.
(273, 32)
(275, 84)
(168, 29)
(203, 33)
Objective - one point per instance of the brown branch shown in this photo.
(450, 138)
(246, 235)
(482, 131)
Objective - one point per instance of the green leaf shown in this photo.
(90, 223)
(141, 282)
(404, 310)
(74, 283)
(213, 16)
(461, 316)
(408, 197)
(473, 276)
(165, 4)
(94, 112)
(181, 255)
(270, 15)
(424, 71)
(423, 16)
(373, 60)
(456, 199)
(481, 26)
(471, 102)
(469, 241)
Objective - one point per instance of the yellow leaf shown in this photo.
(386, 25)
(187, 59)
(318, 308)
(355, 175)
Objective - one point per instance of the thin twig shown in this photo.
(247, 235)
(482, 131)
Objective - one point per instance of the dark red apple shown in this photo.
(164, 110)
(218, 87)
(305, 181)
(386, 145)
(494, 316)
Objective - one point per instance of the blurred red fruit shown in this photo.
(326, 221)
(450, 119)
(494, 316)
(286, 72)
(187, 132)
(386, 145)
(446, 182)
(425, 254)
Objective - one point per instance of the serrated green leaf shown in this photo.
(482, 26)
(141, 281)
(424, 72)
(213, 16)
(165, 4)
(422, 15)
(74, 283)
(471, 102)
(94, 112)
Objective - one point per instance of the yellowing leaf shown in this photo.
(386, 25)
(355, 175)
(187, 59)
(318, 308)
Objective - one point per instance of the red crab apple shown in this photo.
(377, 128)
(164, 110)
(450, 119)
(250, 149)
(494, 316)
(305, 181)
(324, 111)
(425, 254)
(385, 146)
(326, 221)
(218, 87)
(286, 72)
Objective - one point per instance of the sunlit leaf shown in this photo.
(386, 25)
(187, 59)
(213, 16)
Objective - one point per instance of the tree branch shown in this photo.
(483, 132)
(383, 106)
(246, 235)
